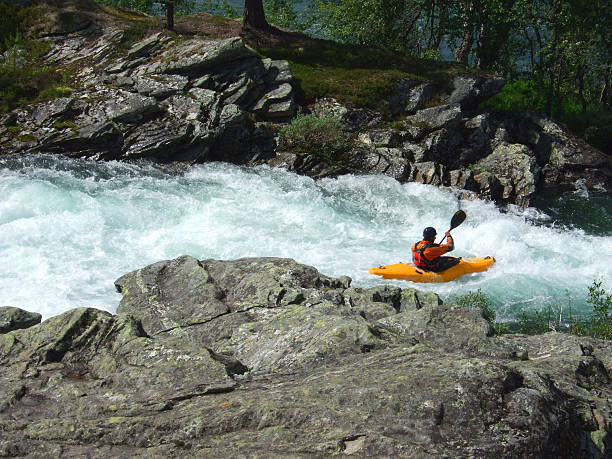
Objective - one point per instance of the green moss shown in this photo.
(115, 419)
(16, 133)
(66, 125)
(350, 73)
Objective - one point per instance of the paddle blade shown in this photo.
(457, 219)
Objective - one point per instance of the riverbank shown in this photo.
(193, 363)
(192, 99)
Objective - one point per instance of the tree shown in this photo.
(254, 15)
(169, 13)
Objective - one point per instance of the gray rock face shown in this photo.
(239, 358)
(14, 319)
(471, 90)
(162, 100)
(515, 168)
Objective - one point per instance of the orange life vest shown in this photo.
(418, 255)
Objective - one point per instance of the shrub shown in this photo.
(325, 136)
(479, 300)
(601, 324)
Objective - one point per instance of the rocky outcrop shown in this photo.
(14, 319)
(499, 157)
(268, 357)
(191, 101)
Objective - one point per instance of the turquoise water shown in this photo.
(69, 228)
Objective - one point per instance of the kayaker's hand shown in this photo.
(447, 233)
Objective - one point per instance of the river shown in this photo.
(69, 228)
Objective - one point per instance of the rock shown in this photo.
(403, 96)
(196, 56)
(161, 86)
(144, 47)
(171, 294)
(516, 170)
(438, 117)
(277, 103)
(419, 96)
(428, 172)
(329, 107)
(14, 319)
(278, 71)
(130, 108)
(57, 108)
(463, 179)
(382, 160)
(380, 138)
(443, 146)
(282, 358)
(470, 90)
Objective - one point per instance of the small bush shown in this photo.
(325, 136)
(479, 300)
(601, 324)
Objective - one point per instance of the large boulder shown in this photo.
(191, 101)
(516, 169)
(240, 358)
(470, 90)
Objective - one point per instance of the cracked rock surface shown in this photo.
(267, 357)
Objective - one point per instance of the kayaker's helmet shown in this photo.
(429, 234)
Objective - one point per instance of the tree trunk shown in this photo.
(462, 53)
(254, 15)
(170, 16)
(581, 95)
(604, 99)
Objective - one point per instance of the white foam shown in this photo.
(68, 229)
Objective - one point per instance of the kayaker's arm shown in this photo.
(450, 244)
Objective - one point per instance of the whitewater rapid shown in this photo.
(69, 228)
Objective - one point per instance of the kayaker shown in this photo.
(427, 255)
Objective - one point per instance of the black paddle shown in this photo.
(457, 220)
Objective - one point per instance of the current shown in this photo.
(69, 228)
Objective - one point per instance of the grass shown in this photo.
(354, 75)
(25, 78)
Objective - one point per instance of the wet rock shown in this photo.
(428, 172)
(463, 179)
(515, 167)
(14, 319)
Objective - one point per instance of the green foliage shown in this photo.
(601, 324)
(478, 300)
(282, 13)
(529, 94)
(25, 78)
(219, 8)
(14, 21)
(325, 136)
(555, 318)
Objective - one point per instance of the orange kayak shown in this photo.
(409, 272)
